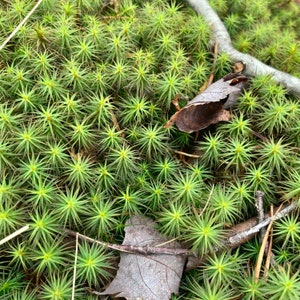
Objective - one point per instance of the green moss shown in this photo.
(86, 88)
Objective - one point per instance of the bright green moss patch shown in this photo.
(85, 91)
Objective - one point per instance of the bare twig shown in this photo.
(115, 122)
(97, 293)
(208, 200)
(187, 154)
(14, 234)
(20, 25)
(241, 233)
(168, 241)
(132, 249)
(240, 237)
(254, 67)
(260, 136)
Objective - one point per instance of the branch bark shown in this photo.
(238, 235)
(131, 249)
(241, 235)
(242, 232)
(254, 67)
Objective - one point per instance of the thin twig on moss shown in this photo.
(254, 67)
(242, 236)
(20, 24)
(187, 154)
(232, 240)
(132, 249)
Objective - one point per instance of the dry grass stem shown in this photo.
(14, 234)
(20, 25)
(263, 245)
(75, 267)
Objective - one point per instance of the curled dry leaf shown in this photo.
(209, 107)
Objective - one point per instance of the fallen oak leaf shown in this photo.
(152, 276)
(209, 107)
(194, 118)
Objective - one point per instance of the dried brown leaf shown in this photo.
(152, 276)
(208, 107)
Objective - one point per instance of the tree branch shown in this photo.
(238, 235)
(241, 236)
(254, 67)
(241, 233)
(143, 250)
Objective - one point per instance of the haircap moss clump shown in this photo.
(85, 91)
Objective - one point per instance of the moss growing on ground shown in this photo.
(85, 92)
